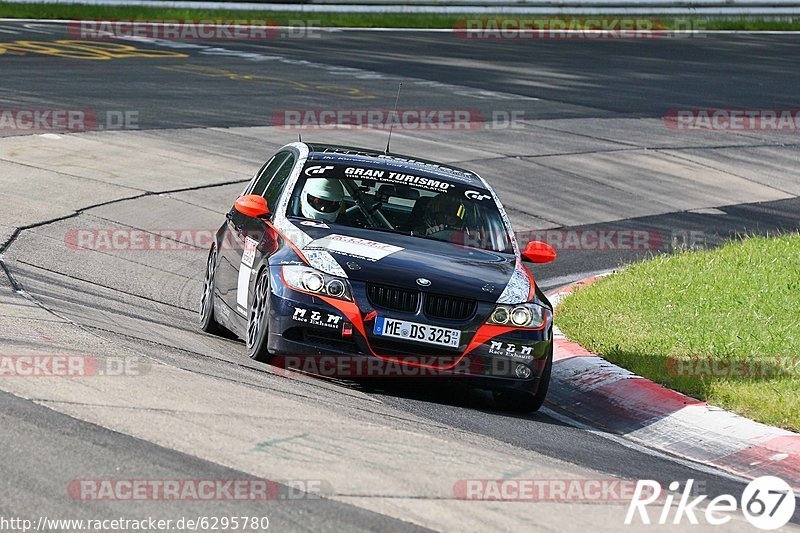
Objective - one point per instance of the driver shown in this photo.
(444, 212)
(321, 199)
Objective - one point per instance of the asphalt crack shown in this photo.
(17, 231)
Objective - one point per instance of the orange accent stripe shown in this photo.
(532, 289)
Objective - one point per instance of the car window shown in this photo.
(275, 186)
(260, 176)
(419, 206)
(268, 172)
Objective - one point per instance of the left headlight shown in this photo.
(306, 279)
(530, 316)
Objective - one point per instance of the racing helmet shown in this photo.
(321, 199)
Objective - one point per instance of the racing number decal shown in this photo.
(245, 270)
(249, 254)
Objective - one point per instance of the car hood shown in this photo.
(401, 260)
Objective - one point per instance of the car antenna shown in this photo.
(299, 137)
(391, 125)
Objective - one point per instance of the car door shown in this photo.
(233, 238)
(253, 238)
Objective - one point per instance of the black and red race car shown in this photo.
(395, 262)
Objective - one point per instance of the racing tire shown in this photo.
(208, 323)
(258, 320)
(526, 402)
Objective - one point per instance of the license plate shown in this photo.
(412, 331)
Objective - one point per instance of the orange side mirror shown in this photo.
(252, 205)
(539, 252)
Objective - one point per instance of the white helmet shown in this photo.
(321, 199)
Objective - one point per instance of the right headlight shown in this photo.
(311, 280)
(530, 316)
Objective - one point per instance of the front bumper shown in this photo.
(335, 339)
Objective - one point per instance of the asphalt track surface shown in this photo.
(592, 153)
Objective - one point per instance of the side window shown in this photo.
(276, 185)
(265, 177)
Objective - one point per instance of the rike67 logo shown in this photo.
(767, 503)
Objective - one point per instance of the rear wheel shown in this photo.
(258, 320)
(513, 400)
(207, 321)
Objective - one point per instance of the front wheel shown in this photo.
(258, 320)
(512, 400)
(207, 321)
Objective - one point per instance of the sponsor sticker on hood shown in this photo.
(353, 247)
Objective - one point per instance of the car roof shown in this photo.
(392, 162)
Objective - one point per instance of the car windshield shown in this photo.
(383, 200)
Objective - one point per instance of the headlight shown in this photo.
(521, 316)
(312, 281)
(306, 279)
(530, 316)
(335, 288)
(500, 315)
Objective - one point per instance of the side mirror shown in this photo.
(539, 252)
(252, 205)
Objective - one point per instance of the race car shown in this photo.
(396, 262)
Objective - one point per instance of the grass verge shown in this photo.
(721, 325)
(49, 10)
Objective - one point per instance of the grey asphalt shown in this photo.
(547, 79)
(46, 451)
(593, 155)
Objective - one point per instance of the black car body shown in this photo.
(441, 301)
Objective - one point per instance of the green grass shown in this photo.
(739, 302)
(49, 10)
(82, 11)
